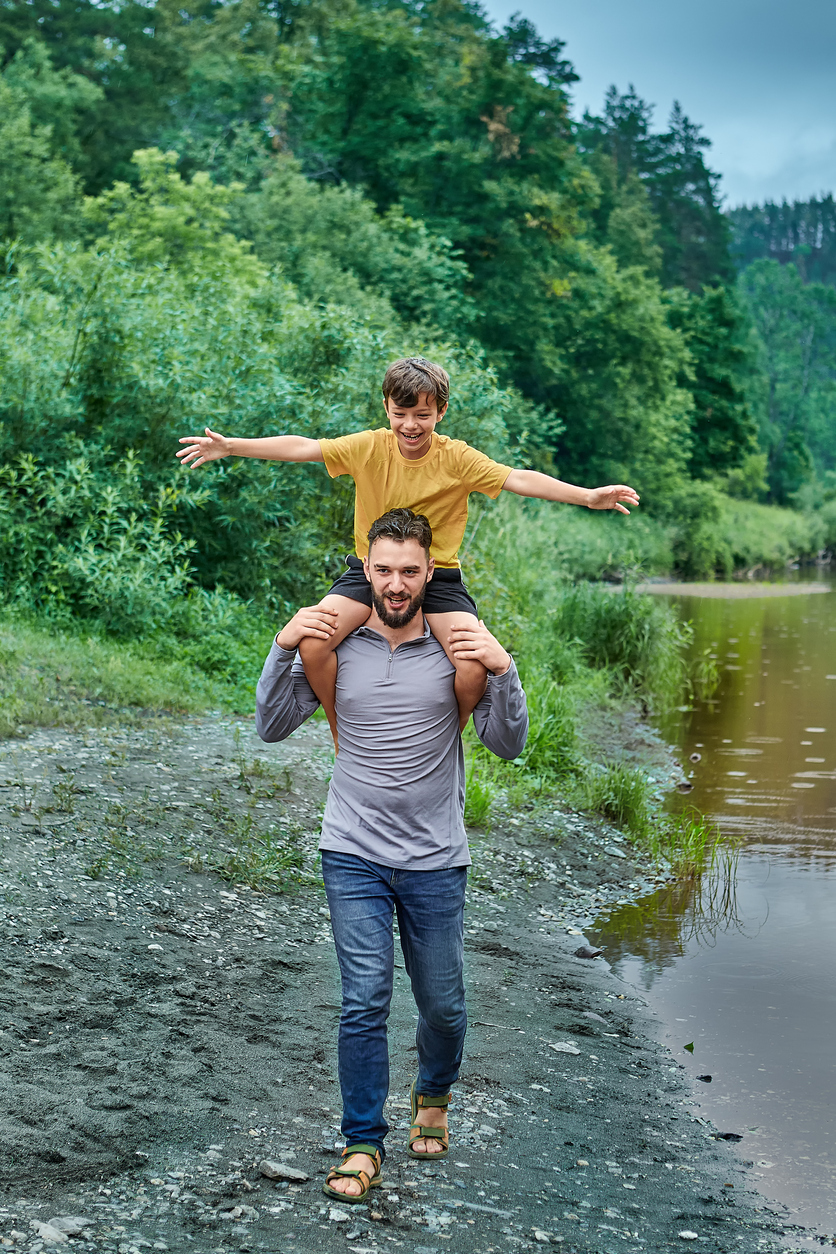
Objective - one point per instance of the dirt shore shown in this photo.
(164, 1030)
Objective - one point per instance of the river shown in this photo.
(743, 965)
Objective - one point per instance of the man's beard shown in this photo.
(406, 615)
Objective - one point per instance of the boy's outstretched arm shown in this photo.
(275, 448)
(545, 488)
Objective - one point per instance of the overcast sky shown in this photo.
(758, 75)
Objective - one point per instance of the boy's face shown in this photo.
(413, 425)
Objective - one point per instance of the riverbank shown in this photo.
(165, 1029)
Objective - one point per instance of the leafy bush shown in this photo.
(79, 541)
(170, 324)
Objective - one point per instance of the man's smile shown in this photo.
(397, 600)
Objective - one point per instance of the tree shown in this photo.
(796, 326)
(39, 193)
(723, 430)
(617, 364)
(683, 192)
(803, 232)
(131, 51)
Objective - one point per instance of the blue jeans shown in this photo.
(430, 906)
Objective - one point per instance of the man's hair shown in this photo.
(402, 524)
(406, 379)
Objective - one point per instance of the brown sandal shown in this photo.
(419, 1133)
(355, 1173)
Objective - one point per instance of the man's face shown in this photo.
(413, 425)
(398, 573)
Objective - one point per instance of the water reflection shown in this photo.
(743, 963)
(661, 928)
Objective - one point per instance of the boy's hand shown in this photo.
(476, 644)
(203, 448)
(610, 498)
(311, 620)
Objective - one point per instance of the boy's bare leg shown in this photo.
(471, 677)
(320, 659)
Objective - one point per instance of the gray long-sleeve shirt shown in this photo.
(397, 791)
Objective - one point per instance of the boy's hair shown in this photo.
(406, 379)
(402, 524)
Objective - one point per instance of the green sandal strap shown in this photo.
(359, 1172)
(423, 1100)
(417, 1133)
(371, 1150)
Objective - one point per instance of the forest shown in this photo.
(236, 214)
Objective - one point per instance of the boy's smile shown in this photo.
(413, 425)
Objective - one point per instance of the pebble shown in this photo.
(541, 1236)
(565, 1047)
(73, 1225)
(687, 1235)
(281, 1171)
(54, 1236)
(337, 1216)
(586, 951)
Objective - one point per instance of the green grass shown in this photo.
(269, 859)
(480, 790)
(50, 677)
(639, 640)
(620, 794)
(689, 842)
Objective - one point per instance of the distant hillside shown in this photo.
(803, 232)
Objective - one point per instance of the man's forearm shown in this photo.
(277, 448)
(545, 488)
(501, 717)
(283, 698)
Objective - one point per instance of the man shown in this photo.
(393, 835)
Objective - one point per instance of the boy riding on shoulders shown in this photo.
(407, 464)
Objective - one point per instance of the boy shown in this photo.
(411, 465)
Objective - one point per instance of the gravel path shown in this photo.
(164, 1030)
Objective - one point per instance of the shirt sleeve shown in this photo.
(480, 474)
(347, 453)
(501, 717)
(283, 697)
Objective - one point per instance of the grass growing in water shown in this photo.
(690, 842)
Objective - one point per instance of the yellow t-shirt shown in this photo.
(437, 484)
